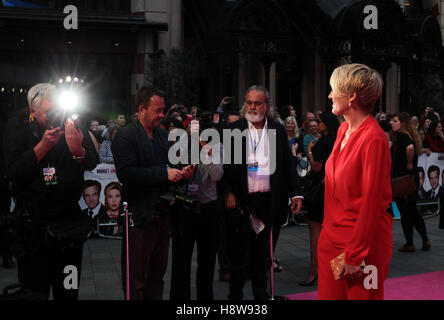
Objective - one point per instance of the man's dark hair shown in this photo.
(91, 183)
(145, 94)
(431, 169)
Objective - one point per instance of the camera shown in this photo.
(67, 103)
(57, 117)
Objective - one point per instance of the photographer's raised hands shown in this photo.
(49, 140)
(74, 138)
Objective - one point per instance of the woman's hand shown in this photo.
(294, 149)
(350, 272)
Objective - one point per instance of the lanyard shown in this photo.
(253, 142)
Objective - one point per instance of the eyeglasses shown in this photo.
(35, 96)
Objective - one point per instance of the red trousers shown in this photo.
(379, 256)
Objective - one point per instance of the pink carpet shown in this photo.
(426, 286)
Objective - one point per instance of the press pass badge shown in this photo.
(50, 177)
(193, 188)
(253, 166)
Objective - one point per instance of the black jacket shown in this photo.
(284, 182)
(141, 166)
(46, 203)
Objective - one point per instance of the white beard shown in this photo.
(253, 116)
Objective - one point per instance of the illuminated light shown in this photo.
(68, 79)
(60, 81)
(69, 42)
(21, 90)
(116, 44)
(69, 100)
(13, 89)
(76, 79)
(3, 89)
(22, 40)
(81, 81)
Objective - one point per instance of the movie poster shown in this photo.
(431, 169)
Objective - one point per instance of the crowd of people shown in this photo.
(338, 160)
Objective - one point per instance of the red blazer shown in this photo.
(358, 191)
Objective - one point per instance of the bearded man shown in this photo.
(259, 187)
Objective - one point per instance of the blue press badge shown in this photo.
(253, 166)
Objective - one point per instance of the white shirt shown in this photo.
(259, 181)
(435, 191)
(95, 210)
(258, 151)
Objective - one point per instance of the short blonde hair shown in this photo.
(40, 92)
(359, 78)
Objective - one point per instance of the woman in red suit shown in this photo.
(357, 191)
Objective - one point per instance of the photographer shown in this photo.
(5, 203)
(196, 220)
(46, 166)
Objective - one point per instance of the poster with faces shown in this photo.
(103, 173)
(431, 174)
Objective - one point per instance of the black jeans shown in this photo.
(410, 217)
(250, 251)
(200, 228)
(43, 269)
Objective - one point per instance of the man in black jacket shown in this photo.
(261, 184)
(5, 204)
(46, 166)
(140, 153)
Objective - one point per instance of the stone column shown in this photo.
(145, 45)
(393, 89)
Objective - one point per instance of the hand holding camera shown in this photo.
(74, 138)
(51, 137)
(49, 140)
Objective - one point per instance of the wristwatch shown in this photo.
(81, 157)
(310, 152)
